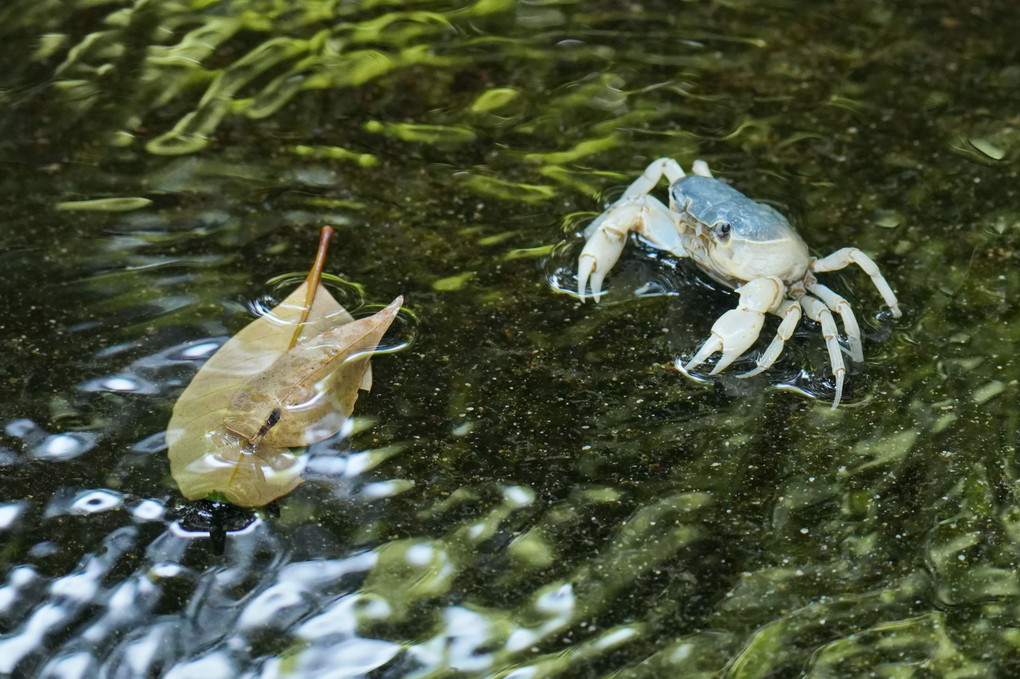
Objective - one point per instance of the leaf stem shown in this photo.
(313, 280)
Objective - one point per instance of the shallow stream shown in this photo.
(531, 490)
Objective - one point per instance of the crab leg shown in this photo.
(737, 329)
(700, 168)
(650, 177)
(841, 307)
(790, 311)
(840, 259)
(817, 311)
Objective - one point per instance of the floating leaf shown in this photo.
(286, 380)
(307, 394)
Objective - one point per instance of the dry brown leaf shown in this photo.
(258, 396)
(305, 396)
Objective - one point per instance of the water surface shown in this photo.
(532, 490)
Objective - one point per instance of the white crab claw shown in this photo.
(587, 271)
(733, 334)
(737, 329)
(599, 255)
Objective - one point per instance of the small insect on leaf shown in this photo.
(308, 393)
(288, 379)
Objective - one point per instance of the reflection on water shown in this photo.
(531, 489)
(41, 445)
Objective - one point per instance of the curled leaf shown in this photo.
(307, 394)
(286, 380)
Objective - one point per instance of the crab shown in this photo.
(744, 245)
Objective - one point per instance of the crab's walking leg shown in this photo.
(700, 168)
(790, 311)
(841, 307)
(817, 311)
(840, 259)
(737, 329)
(656, 170)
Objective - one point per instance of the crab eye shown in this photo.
(722, 230)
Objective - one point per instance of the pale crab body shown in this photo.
(745, 245)
(750, 240)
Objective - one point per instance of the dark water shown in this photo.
(531, 490)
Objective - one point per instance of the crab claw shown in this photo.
(737, 329)
(599, 255)
(733, 334)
